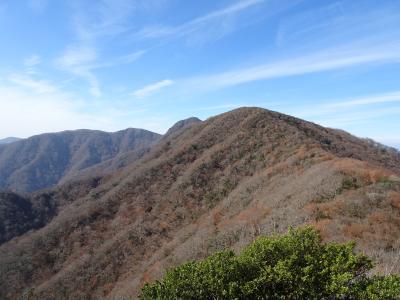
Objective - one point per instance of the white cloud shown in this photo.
(341, 119)
(152, 88)
(38, 86)
(82, 61)
(79, 61)
(373, 99)
(338, 21)
(130, 58)
(234, 8)
(32, 61)
(106, 18)
(76, 56)
(344, 106)
(194, 25)
(91, 24)
(327, 60)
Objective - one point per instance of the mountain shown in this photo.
(182, 124)
(9, 140)
(45, 160)
(20, 214)
(215, 184)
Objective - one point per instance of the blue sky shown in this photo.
(113, 64)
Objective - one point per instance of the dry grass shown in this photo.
(367, 173)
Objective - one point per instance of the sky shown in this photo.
(114, 64)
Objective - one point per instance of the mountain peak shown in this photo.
(181, 124)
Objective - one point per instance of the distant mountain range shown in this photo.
(9, 140)
(45, 160)
(119, 217)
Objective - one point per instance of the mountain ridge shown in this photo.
(9, 140)
(45, 160)
(216, 184)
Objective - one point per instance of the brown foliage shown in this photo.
(394, 198)
(216, 184)
(355, 230)
(367, 173)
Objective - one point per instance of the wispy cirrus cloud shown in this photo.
(32, 60)
(38, 86)
(82, 61)
(31, 64)
(341, 119)
(353, 107)
(337, 21)
(93, 24)
(325, 60)
(79, 61)
(372, 99)
(130, 58)
(106, 18)
(198, 24)
(152, 88)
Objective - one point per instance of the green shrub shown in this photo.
(296, 265)
(350, 183)
(386, 183)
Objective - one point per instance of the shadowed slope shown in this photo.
(21, 213)
(45, 160)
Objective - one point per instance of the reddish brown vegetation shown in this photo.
(395, 199)
(213, 185)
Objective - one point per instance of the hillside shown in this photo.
(127, 158)
(45, 160)
(22, 213)
(215, 184)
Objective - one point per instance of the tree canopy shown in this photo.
(296, 265)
